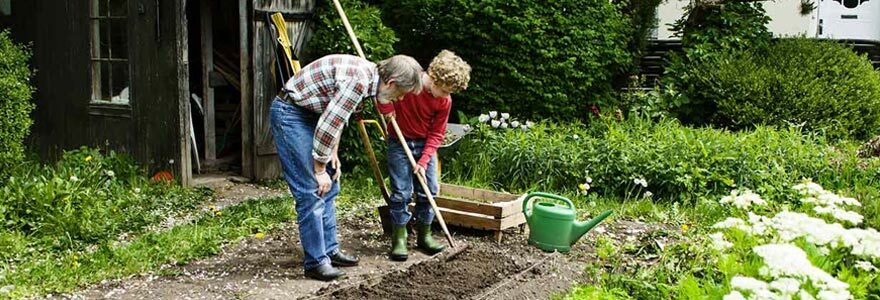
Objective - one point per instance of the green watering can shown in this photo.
(552, 227)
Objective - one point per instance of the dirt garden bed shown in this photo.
(269, 268)
(463, 277)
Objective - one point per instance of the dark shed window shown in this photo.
(110, 78)
(5, 7)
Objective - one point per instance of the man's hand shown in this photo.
(389, 116)
(337, 165)
(421, 171)
(324, 183)
(322, 178)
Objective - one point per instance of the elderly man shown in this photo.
(307, 121)
(422, 118)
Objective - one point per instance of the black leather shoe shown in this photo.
(342, 260)
(324, 273)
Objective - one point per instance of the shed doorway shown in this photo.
(215, 80)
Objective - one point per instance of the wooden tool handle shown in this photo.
(422, 181)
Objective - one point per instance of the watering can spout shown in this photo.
(580, 228)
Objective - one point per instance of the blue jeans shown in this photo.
(294, 130)
(403, 181)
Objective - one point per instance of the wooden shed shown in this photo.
(180, 85)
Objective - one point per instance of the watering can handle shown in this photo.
(527, 200)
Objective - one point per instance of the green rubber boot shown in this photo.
(426, 242)
(398, 243)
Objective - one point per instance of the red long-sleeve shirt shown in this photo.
(421, 116)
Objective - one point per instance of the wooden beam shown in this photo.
(247, 145)
(475, 194)
(468, 206)
(511, 208)
(182, 48)
(207, 27)
(470, 220)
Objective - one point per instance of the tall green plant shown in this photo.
(15, 101)
(708, 29)
(671, 161)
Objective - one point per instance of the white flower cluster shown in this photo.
(789, 267)
(787, 226)
(584, 188)
(786, 264)
(782, 288)
(865, 266)
(641, 181)
(504, 121)
(743, 200)
(718, 241)
(789, 261)
(828, 203)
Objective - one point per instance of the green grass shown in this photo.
(64, 272)
(35, 272)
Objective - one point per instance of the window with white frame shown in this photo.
(109, 42)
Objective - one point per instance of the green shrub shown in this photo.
(820, 85)
(15, 101)
(641, 15)
(709, 30)
(708, 27)
(675, 161)
(330, 37)
(531, 58)
(86, 198)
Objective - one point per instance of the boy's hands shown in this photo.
(421, 171)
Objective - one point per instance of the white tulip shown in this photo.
(496, 123)
(484, 118)
(493, 114)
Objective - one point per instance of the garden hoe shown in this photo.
(454, 248)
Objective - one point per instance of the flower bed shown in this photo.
(809, 249)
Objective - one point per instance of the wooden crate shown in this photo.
(480, 209)
(473, 208)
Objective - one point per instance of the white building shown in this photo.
(837, 19)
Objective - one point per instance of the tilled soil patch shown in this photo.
(466, 275)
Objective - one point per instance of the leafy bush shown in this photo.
(15, 105)
(708, 27)
(641, 15)
(84, 199)
(820, 85)
(531, 58)
(330, 37)
(637, 156)
(708, 30)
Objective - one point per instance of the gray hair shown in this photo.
(404, 70)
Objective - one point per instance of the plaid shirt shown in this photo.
(332, 86)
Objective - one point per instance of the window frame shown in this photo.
(5, 8)
(97, 62)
